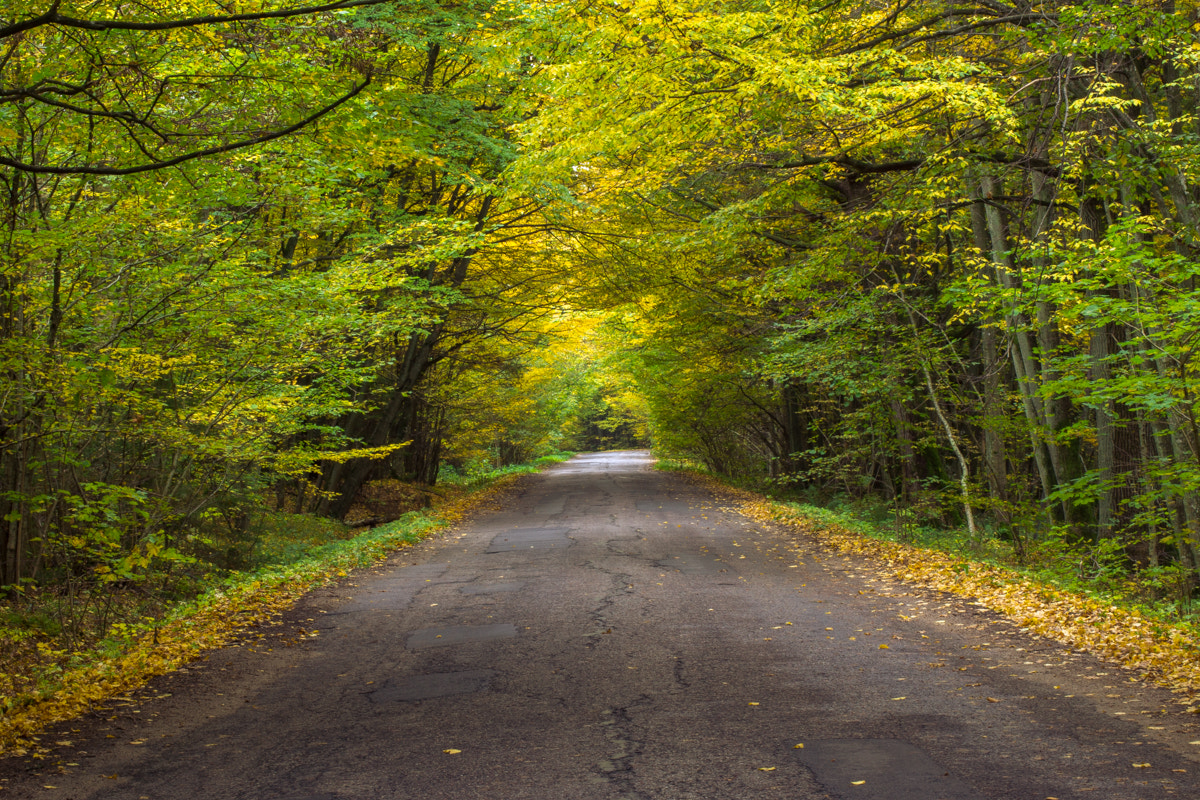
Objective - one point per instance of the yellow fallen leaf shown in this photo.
(883, 647)
(452, 751)
(766, 769)
(1142, 766)
(899, 698)
(992, 700)
(857, 783)
(753, 703)
(799, 746)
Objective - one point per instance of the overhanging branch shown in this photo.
(39, 169)
(52, 17)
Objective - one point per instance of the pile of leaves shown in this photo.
(1158, 650)
(86, 681)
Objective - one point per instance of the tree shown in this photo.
(153, 358)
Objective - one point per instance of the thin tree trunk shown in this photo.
(992, 240)
(964, 470)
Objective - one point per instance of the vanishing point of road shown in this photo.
(613, 632)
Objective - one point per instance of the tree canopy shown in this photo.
(258, 255)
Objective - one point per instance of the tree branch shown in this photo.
(862, 167)
(170, 162)
(52, 17)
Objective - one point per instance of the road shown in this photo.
(612, 632)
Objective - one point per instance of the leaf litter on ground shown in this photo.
(1154, 649)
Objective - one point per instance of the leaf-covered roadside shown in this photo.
(1155, 649)
(215, 619)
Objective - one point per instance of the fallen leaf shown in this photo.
(799, 746)
(451, 751)
(857, 783)
(1142, 766)
(753, 703)
(899, 698)
(883, 647)
(992, 700)
(766, 769)
(1159, 648)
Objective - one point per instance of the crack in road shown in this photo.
(617, 768)
(620, 586)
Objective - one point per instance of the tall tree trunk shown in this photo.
(992, 240)
(995, 457)
(1093, 222)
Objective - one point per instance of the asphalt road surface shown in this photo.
(613, 633)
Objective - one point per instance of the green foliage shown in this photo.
(868, 252)
(941, 262)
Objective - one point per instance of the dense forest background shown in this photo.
(256, 256)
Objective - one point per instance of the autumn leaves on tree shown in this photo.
(257, 255)
(933, 252)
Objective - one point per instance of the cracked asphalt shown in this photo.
(613, 632)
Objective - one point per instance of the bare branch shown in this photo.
(170, 162)
(52, 17)
(862, 167)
